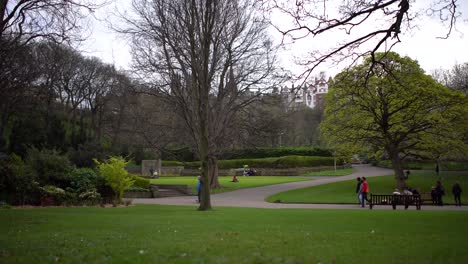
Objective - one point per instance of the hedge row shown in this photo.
(274, 162)
(255, 153)
(186, 154)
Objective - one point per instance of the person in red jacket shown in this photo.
(364, 191)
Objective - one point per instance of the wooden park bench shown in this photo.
(426, 197)
(394, 200)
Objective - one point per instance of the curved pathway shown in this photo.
(255, 197)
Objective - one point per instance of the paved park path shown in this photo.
(255, 197)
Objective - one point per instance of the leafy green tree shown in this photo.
(50, 166)
(393, 109)
(113, 171)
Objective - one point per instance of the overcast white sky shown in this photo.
(421, 44)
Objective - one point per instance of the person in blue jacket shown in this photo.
(199, 186)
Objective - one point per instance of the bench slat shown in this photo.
(394, 200)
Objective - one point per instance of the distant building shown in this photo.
(312, 95)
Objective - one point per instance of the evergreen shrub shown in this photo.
(50, 166)
(140, 182)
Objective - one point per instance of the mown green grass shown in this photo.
(344, 192)
(169, 234)
(340, 172)
(227, 184)
(428, 165)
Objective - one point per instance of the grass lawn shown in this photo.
(344, 192)
(225, 181)
(341, 172)
(170, 234)
(429, 165)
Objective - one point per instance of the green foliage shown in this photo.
(50, 166)
(186, 155)
(137, 189)
(251, 153)
(182, 154)
(83, 180)
(18, 183)
(140, 182)
(91, 197)
(53, 194)
(113, 171)
(393, 110)
(27, 130)
(83, 156)
(171, 163)
(275, 162)
(280, 163)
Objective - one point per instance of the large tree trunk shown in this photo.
(205, 203)
(213, 172)
(398, 170)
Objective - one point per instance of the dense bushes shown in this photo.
(278, 163)
(186, 155)
(83, 180)
(49, 166)
(275, 162)
(253, 153)
(18, 182)
(140, 182)
(113, 171)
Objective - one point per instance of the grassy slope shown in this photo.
(225, 181)
(344, 192)
(169, 234)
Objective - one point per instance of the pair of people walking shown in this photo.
(362, 189)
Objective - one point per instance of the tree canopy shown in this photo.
(394, 110)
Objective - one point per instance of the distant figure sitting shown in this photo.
(396, 192)
(246, 170)
(414, 191)
(407, 173)
(407, 192)
(234, 179)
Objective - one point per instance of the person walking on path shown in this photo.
(358, 190)
(456, 190)
(364, 191)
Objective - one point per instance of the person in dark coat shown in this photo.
(434, 195)
(358, 189)
(456, 190)
(439, 189)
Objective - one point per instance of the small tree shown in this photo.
(113, 171)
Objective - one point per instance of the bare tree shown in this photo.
(366, 26)
(24, 21)
(202, 57)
